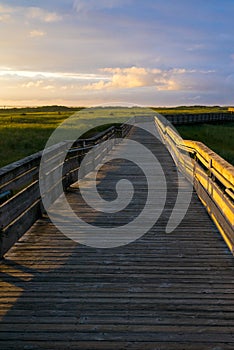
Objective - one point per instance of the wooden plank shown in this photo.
(215, 212)
(15, 206)
(12, 233)
(21, 181)
(12, 171)
(120, 345)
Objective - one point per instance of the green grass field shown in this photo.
(22, 134)
(219, 137)
(25, 131)
(191, 110)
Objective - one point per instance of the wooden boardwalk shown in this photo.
(162, 292)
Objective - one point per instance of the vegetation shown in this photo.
(218, 137)
(25, 131)
(191, 110)
(43, 109)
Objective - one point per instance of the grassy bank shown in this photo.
(219, 137)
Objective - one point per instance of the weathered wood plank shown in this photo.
(10, 210)
(10, 235)
(179, 119)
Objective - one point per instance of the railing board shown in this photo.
(23, 209)
(179, 119)
(17, 228)
(21, 181)
(10, 210)
(212, 176)
(216, 214)
(220, 166)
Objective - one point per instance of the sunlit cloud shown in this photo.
(32, 84)
(37, 33)
(42, 15)
(173, 79)
(136, 77)
(49, 87)
(7, 72)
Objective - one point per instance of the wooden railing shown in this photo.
(20, 197)
(212, 176)
(179, 119)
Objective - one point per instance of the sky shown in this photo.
(97, 52)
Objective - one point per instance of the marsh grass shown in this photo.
(219, 137)
(22, 135)
(26, 131)
(191, 110)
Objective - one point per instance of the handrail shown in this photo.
(212, 176)
(19, 182)
(213, 179)
(190, 118)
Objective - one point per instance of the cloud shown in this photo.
(195, 98)
(5, 18)
(42, 15)
(49, 87)
(37, 34)
(6, 9)
(34, 13)
(82, 6)
(40, 85)
(6, 13)
(173, 79)
(195, 47)
(230, 81)
(136, 77)
(32, 84)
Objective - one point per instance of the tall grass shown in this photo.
(191, 110)
(22, 134)
(219, 137)
(26, 131)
